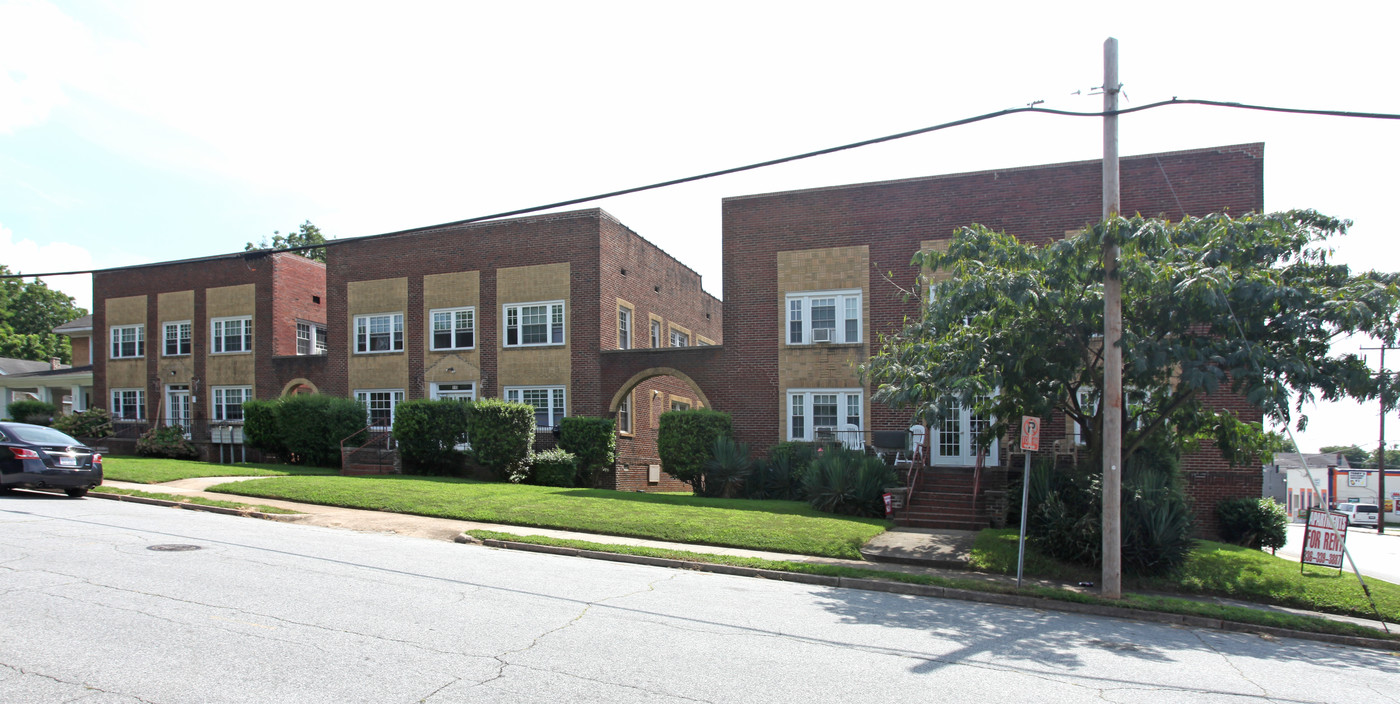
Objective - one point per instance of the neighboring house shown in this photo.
(185, 343)
(69, 388)
(520, 309)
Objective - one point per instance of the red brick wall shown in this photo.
(300, 286)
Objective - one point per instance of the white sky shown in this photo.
(144, 131)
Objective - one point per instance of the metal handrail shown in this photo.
(381, 439)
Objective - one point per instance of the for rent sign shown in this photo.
(1325, 539)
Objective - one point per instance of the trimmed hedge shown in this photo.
(553, 467)
(260, 427)
(1253, 523)
(36, 412)
(501, 434)
(304, 428)
(685, 441)
(428, 432)
(593, 444)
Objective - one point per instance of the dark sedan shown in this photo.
(35, 457)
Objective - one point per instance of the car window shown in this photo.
(1344, 508)
(41, 436)
(1366, 508)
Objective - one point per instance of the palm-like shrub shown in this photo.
(848, 483)
(727, 469)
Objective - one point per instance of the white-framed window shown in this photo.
(231, 335)
(379, 405)
(534, 324)
(311, 338)
(453, 328)
(824, 316)
(463, 391)
(128, 341)
(655, 333)
(624, 415)
(379, 333)
(837, 410)
(624, 327)
(547, 400)
(177, 338)
(228, 402)
(679, 339)
(954, 437)
(128, 404)
(680, 404)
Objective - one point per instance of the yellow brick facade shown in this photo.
(381, 370)
(174, 307)
(534, 366)
(455, 290)
(228, 369)
(125, 373)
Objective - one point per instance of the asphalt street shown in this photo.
(1376, 555)
(273, 612)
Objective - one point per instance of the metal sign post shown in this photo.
(1030, 442)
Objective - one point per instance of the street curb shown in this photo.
(928, 590)
(222, 510)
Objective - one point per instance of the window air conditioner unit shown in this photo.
(821, 334)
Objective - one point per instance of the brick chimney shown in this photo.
(53, 363)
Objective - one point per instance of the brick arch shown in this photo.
(645, 374)
(287, 389)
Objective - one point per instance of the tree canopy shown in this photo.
(1211, 306)
(29, 311)
(306, 234)
(1355, 454)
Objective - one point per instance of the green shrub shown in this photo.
(728, 468)
(685, 440)
(849, 483)
(428, 433)
(593, 443)
(311, 427)
(501, 434)
(36, 412)
(92, 423)
(1253, 523)
(260, 427)
(553, 467)
(780, 476)
(166, 441)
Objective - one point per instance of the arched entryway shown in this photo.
(299, 386)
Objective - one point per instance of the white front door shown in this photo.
(177, 405)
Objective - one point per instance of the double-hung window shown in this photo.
(177, 338)
(655, 333)
(128, 341)
(679, 339)
(128, 404)
(228, 402)
(232, 335)
(454, 328)
(311, 338)
(624, 327)
(379, 405)
(624, 416)
(824, 316)
(534, 324)
(379, 333)
(547, 400)
(813, 411)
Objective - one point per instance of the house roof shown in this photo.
(83, 324)
(1322, 460)
(9, 365)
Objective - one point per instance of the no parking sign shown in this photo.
(1030, 433)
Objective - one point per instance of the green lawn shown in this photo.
(1216, 569)
(177, 498)
(154, 470)
(783, 526)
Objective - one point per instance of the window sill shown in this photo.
(124, 359)
(452, 349)
(360, 353)
(822, 345)
(531, 347)
(224, 354)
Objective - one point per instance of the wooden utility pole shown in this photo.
(1380, 452)
(1112, 338)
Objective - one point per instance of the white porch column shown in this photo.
(4, 402)
(77, 392)
(44, 394)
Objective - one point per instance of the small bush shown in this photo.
(501, 433)
(593, 442)
(849, 483)
(781, 475)
(92, 423)
(685, 440)
(312, 425)
(553, 467)
(166, 441)
(260, 427)
(1253, 523)
(36, 412)
(727, 469)
(428, 433)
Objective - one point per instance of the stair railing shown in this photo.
(377, 440)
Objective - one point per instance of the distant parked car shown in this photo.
(35, 457)
(1360, 514)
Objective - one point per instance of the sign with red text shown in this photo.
(1030, 433)
(1325, 539)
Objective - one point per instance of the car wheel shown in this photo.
(76, 493)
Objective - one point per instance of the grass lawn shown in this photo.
(154, 470)
(1216, 569)
(782, 526)
(189, 500)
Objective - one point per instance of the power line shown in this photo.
(253, 254)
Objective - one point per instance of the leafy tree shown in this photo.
(306, 234)
(1356, 457)
(1210, 305)
(29, 311)
(1278, 442)
(1392, 460)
